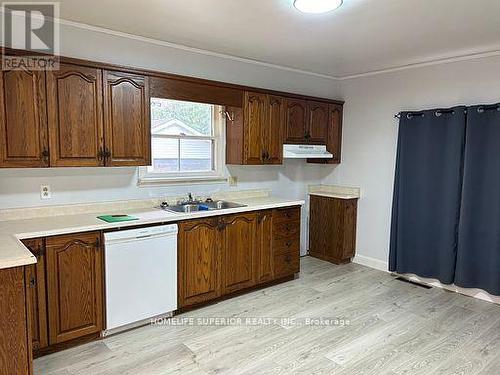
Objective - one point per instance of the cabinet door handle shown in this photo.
(100, 154)
(32, 282)
(289, 243)
(107, 154)
(45, 156)
(307, 136)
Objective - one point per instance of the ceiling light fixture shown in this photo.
(317, 6)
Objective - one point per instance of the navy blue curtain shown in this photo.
(427, 193)
(478, 260)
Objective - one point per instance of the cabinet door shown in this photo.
(318, 226)
(198, 261)
(23, 122)
(255, 123)
(264, 256)
(35, 282)
(127, 124)
(334, 143)
(334, 136)
(296, 121)
(238, 257)
(318, 122)
(15, 350)
(74, 286)
(74, 103)
(273, 130)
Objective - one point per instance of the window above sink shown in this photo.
(187, 142)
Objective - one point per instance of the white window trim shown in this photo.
(218, 175)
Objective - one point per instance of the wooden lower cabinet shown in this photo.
(74, 286)
(238, 254)
(264, 270)
(332, 229)
(15, 337)
(286, 241)
(36, 291)
(199, 250)
(223, 255)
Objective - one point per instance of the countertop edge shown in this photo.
(333, 195)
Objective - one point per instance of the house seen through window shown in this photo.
(185, 138)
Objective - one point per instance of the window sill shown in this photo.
(152, 181)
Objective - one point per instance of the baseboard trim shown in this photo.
(371, 262)
(384, 266)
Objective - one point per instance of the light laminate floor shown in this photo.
(389, 327)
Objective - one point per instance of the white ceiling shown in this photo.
(362, 36)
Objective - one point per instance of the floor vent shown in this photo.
(425, 286)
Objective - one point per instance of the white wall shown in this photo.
(20, 187)
(370, 132)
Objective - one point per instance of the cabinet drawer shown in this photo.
(287, 229)
(286, 264)
(287, 245)
(287, 214)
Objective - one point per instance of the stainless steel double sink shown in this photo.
(201, 206)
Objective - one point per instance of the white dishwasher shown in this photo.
(141, 276)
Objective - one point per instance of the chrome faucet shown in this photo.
(190, 197)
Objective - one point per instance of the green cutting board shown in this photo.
(116, 218)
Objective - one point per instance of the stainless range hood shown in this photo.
(306, 152)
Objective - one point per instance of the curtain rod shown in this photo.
(439, 112)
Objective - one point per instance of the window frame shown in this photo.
(217, 175)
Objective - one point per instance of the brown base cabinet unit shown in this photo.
(227, 254)
(37, 295)
(65, 290)
(332, 229)
(74, 286)
(15, 344)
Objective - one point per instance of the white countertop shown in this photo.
(13, 253)
(335, 195)
(335, 191)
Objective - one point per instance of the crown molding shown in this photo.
(413, 65)
(192, 49)
(422, 64)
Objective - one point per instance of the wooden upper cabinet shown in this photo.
(74, 286)
(297, 121)
(238, 256)
(254, 136)
(198, 261)
(36, 293)
(23, 121)
(318, 122)
(264, 268)
(334, 135)
(255, 116)
(334, 142)
(74, 98)
(127, 119)
(273, 130)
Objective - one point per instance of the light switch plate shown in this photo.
(45, 192)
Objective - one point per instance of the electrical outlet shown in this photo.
(45, 192)
(233, 181)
